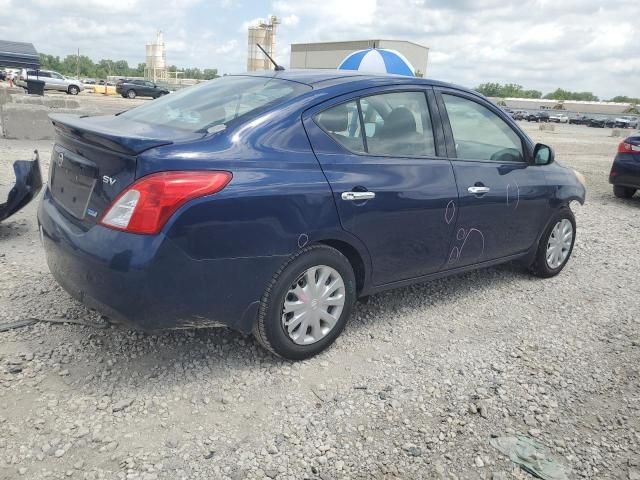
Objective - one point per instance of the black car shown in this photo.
(625, 171)
(597, 122)
(580, 120)
(538, 117)
(139, 88)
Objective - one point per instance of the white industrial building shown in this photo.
(263, 34)
(331, 54)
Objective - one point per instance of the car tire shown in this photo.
(554, 250)
(271, 329)
(623, 192)
(73, 90)
(131, 94)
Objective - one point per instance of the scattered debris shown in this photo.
(532, 456)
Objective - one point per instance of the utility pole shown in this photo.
(78, 65)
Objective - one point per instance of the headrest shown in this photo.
(399, 122)
(335, 119)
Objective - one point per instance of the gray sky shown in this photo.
(542, 44)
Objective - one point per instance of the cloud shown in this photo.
(541, 44)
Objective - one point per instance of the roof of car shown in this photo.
(326, 78)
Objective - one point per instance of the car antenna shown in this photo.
(277, 68)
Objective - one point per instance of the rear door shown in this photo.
(504, 200)
(379, 153)
(46, 78)
(58, 82)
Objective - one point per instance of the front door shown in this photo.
(503, 198)
(390, 188)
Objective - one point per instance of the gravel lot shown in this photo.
(415, 387)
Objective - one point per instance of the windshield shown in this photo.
(216, 102)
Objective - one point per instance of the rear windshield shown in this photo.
(216, 102)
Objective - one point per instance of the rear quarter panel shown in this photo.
(277, 202)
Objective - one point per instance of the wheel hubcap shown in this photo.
(313, 305)
(559, 244)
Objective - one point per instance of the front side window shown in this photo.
(398, 124)
(56, 75)
(342, 123)
(479, 134)
(215, 102)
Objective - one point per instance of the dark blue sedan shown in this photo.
(270, 202)
(625, 171)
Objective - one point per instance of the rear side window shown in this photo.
(216, 102)
(479, 134)
(398, 124)
(395, 124)
(342, 123)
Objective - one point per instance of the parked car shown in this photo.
(270, 202)
(519, 115)
(52, 81)
(538, 117)
(139, 88)
(625, 171)
(3, 75)
(580, 120)
(598, 122)
(559, 118)
(626, 122)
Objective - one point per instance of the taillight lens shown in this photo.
(146, 205)
(626, 147)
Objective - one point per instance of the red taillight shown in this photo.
(626, 147)
(147, 204)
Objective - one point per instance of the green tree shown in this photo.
(210, 73)
(73, 65)
(561, 94)
(625, 99)
(508, 90)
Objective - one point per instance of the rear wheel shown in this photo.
(307, 303)
(73, 90)
(131, 93)
(556, 245)
(623, 192)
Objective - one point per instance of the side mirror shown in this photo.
(543, 154)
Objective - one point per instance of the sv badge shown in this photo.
(108, 180)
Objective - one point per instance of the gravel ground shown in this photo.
(416, 386)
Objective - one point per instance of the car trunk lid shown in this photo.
(94, 159)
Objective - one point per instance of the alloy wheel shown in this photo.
(559, 244)
(313, 305)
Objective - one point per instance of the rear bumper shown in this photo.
(28, 184)
(625, 171)
(149, 282)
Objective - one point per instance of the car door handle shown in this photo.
(478, 190)
(357, 196)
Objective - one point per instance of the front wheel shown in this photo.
(556, 245)
(623, 192)
(307, 303)
(73, 90)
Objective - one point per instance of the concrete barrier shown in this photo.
(57, 101)
(619, 133)
(547, 126)
(29, 122)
